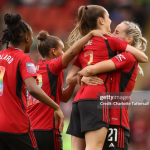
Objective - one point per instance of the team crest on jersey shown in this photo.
(31, 68)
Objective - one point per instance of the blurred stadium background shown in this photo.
(58, 18)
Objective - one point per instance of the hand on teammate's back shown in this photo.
(92, 80)
(79, 77)
(101, 33)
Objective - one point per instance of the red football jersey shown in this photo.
(50, 80)
(15, 67)
(123, 80)
(96, 50)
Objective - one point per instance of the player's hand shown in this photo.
(86, 71)
(92, 80)
(100, 33)
(59, 115)
(79, 77)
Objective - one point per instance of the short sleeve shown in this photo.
(122, 60)
(76, 62)
(27, 68)
(56, 65)
(117, 44)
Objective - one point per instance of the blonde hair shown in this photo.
(86, 21)
(74, 36)
(139, 41)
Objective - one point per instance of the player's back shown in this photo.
(97, 50)
(50, 80)
(13, 117)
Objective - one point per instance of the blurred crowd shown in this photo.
(58, 18)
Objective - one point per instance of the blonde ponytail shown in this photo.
(74, 36)
(140, 70)
(139, 41)
(142, 44)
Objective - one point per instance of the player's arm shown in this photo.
(101, 67)
(72, 78)
(39, 94)
(139, 55)
(77, 46)
(67, 93)
(72, 75)
(121, 46)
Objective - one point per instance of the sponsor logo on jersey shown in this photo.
(120, 57)
(114, 118)
(31, 68)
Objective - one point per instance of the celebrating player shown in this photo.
(88, 125)
(123, 80)
(17, 71)
(50, 79)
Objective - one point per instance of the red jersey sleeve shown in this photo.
(56, 65)
(76, 62)
(117, 44)
(27, 68)
(123, 60)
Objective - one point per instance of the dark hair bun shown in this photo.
(42, 35)
(11, 19)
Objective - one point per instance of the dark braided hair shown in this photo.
(15, 28)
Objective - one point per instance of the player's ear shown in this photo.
(53, 51)
(130, 40)
(100, 21)
(26, 38)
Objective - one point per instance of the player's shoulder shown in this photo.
(19, 54)
(55, 60)
(96, 39)
(128, 56)
(42, 64)
(24, 56)
(1, 51)
(114, 38)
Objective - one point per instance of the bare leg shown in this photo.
(77, 143)
(95, 139)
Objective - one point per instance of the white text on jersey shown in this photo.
(37, 67)
(8, 58)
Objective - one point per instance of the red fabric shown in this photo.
(41, 115)
(94, 52)
(125, 75)
(76, 62)
(13, 115)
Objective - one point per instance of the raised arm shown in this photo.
(72, 75)
(139, 55)
(77, 46)
(110, 65)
